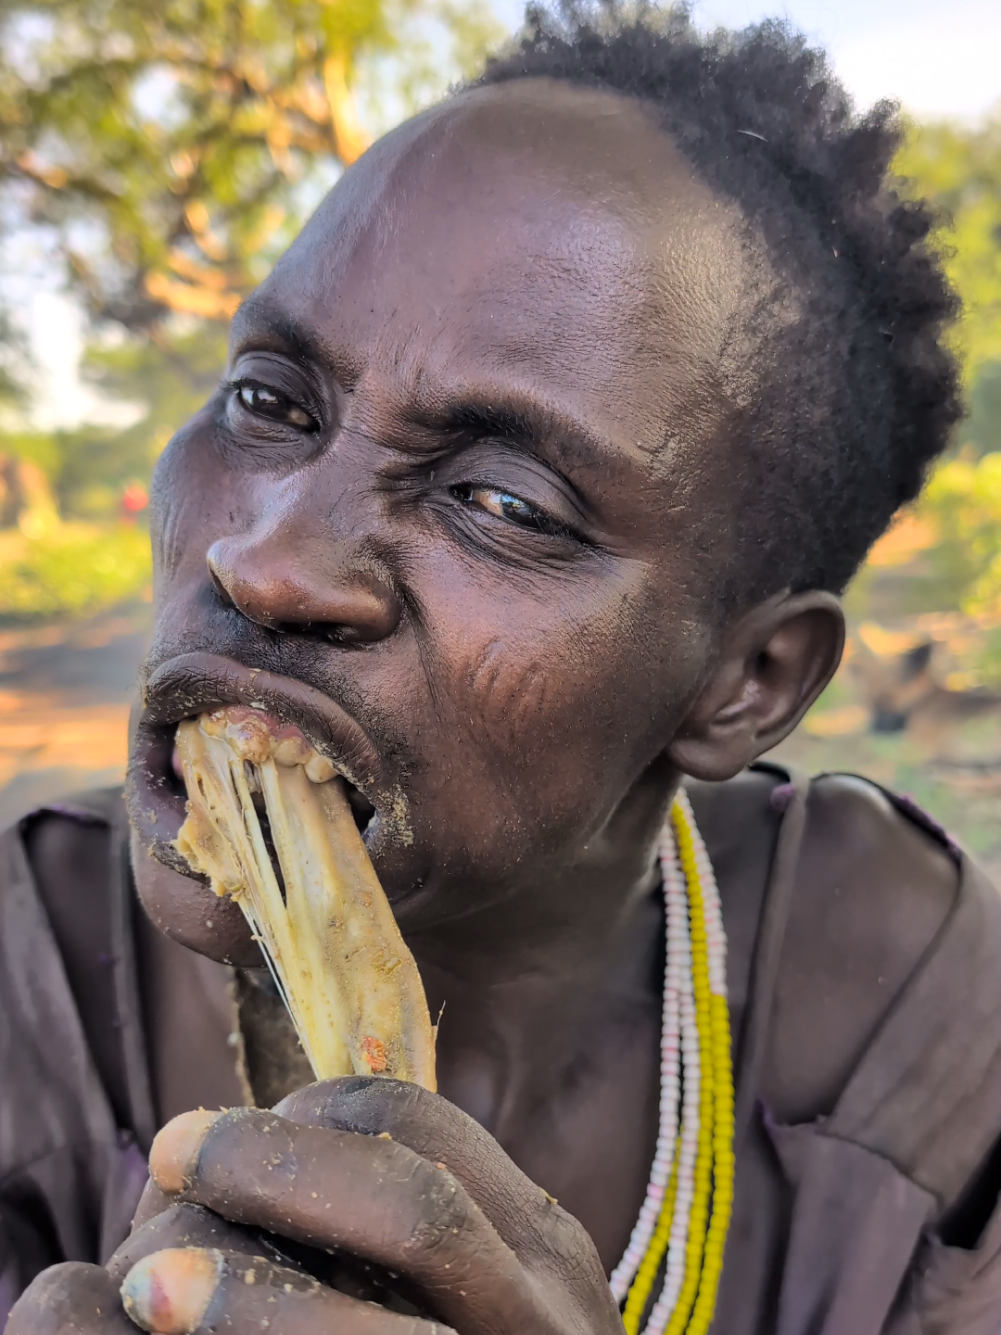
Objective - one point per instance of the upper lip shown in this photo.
(193, 683)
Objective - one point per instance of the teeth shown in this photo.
(319, 769)
(252, 738)
(248, 736)
(291, 751)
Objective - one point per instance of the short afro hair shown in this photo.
(856, 394)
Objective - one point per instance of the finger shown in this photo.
(151, 1203)
(185, 1226)
(520, 1210)
(541, 1234)
(191, 1291)
(370, 1197)
(70, 1299)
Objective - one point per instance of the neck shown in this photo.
(535, 981)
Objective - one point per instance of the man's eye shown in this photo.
(513, 508)
(265, 402)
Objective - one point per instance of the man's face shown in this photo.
(443, 514)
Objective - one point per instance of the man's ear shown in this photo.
(773, 665)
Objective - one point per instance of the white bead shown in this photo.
(680, 1069)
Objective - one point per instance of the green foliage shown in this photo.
(960, 569)
(14, 364)
(73, 570)
(982, 429)
(42, 448)
(956, 567)
(173, 147)
(962, 505)
(89, 468)
(169, 376)
(959, 170)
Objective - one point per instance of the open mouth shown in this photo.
(288, 747)
(269, 825)
(311, 727)
(260, 786)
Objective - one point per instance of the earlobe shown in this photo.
(774, 663)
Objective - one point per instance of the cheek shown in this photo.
(188, 490)
(197, 498)
(554, 697)
(510, 691)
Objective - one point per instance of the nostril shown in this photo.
(328, 632)
(220, 590)
(215, 560)
(304, 588)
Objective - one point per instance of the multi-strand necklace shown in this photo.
(682, 1225)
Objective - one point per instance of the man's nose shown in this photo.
(322, 589)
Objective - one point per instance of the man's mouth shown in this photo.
(290, 747)
(313, 729)
(268, 823)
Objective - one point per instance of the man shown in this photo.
(540, 461)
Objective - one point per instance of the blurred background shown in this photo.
(155, 158)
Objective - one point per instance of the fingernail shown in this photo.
(173, 1156)
(169, 1292)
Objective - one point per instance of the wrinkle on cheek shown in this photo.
(524, 700)
(193, 502)
(508, 696)
(169, 520)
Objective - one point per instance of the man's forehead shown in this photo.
(531, 224)
(529, 161)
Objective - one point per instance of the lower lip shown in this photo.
(156, 765)
(156, 797)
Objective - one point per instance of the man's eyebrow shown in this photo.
(468, 417)
(477, 415)
(540, 429)
(258, 316)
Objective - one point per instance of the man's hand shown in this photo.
(375, 1170)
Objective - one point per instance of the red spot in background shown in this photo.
(134, 498)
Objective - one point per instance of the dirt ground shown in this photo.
(65, 693)
(66, 690)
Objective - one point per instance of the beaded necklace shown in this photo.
(683, 1222)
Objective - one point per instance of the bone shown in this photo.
(347, 977)
(319, 769)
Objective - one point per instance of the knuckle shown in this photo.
(572, 1249)
(368, 1105)
(378, 1105)
(181, 1225)
(439, 1212)
(57, 1298)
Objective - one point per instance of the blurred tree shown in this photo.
(172, 145)
(170, 151)
(959, 169)
(982, 429)
(14, 364)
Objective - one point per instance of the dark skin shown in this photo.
(449, 516)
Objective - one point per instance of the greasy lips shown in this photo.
(347, 977)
